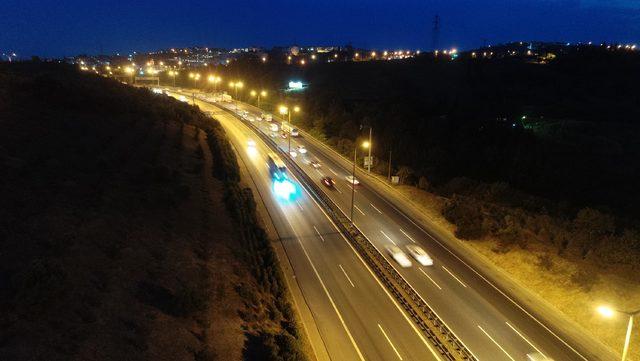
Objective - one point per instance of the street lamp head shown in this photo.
(606, 311)
(211, 78)
(283, 109)
(366, 144)
(253, 93)
(296, 109)
(263, 93)
(191, 75)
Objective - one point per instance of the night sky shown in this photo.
(57, 28)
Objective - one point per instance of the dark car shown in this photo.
(328, 182)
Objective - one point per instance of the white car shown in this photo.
(396, 253)
(250, 118)
(420, 255)
(293, 153)
(537, 356)
(352, 180)
(302, 149)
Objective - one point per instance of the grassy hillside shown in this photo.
(116, 236)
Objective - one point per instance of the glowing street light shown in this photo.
(258, 95)
(129, 70)
(284, 110)
(365, 145)
(195, 77)
(173, 74)
(215, 80)
(609, 312)
(236, 85)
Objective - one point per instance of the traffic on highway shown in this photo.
(490, 324)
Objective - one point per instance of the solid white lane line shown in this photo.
(332, 171)
(319, 235)
(333, 304)
(389, 238)
(358, 208)
(401, 310)
(445, 247)
(390, 343)
(497, 344)
(319, 172)
(408, 236)
(430, 279)
(346, 275)
(524, 338)
(454, 276)
(410, 322)
(374, 207)
(338, 189)
(299, 205)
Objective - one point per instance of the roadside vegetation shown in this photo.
(123, 231)
(533, 165)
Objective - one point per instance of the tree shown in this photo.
(590, 227)
(406, 174)
(423, 183)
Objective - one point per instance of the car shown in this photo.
(250, 118)
(399, 256)
(351, 179)
(420, 255)
(537, 356)
(293, 153)
(251, 143)
(283, 135)
(315, 164)
(328, 181)
(302, 149)
(273, 134)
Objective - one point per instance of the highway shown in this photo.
(489, 323)
(356, 317)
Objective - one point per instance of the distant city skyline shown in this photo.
(31, 27)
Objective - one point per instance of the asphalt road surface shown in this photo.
(356, 317)
(490, 324)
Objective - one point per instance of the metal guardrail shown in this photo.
(432, 327)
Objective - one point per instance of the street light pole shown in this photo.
(369, 164)
(627, 337)
(289, 113)
(609, 312)
(389, 165)
(353, 186)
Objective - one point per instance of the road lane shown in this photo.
(314, 261)
(473, 303)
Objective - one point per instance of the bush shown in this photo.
(545, 262)
(466, 215)
(189, 299)
(423, 183)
